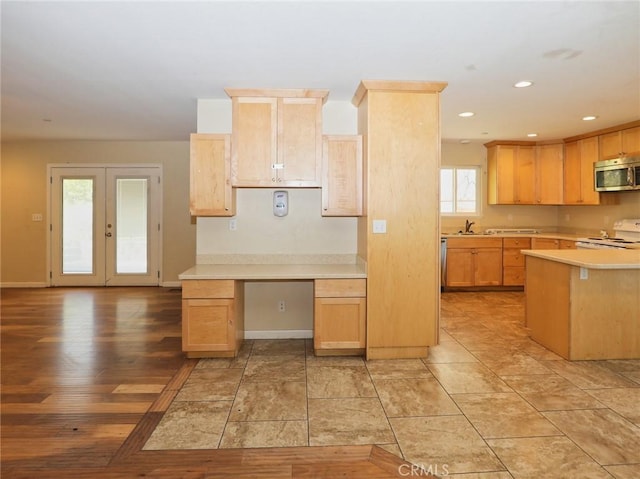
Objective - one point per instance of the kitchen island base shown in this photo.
(583, 313)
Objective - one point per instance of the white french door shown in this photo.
(105, 225)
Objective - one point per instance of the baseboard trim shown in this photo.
(26, 284)
(280, 334)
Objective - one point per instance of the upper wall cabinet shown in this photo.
(210, 191)
(549, 167)
(342, 175)
(524, 173)
(276, 137)
(620, 143)
(511, 174)
(579, 157)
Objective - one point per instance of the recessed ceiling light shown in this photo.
(464, 142)
(485, 132)
(466, 114)
(523, 84)
(589, 117)
(531, 135)
(47, 120)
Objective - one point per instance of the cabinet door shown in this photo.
(578, 172)
(210, 191)
(299, 149)
(525, 175)
(610, 145)
(254, 141)
(488, 266)
(511, 174)
(340, 323)
(460, 268)
(572, 174)
(342, 176)
(501, 163)
(549, 179)
(208, 325)
(620, 143)
(631, 141)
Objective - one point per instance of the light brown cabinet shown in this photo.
(342, 175)
(522, 173)
(545, 243)
(276, 137)
(578, 172)
(210, 191)
(474, 262)
(400, 126)
(339, 316)
(511, 174)
(212, 317)
(513, 262)
(620, 143)
(567, 244)
(548, 174)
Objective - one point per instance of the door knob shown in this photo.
(108, 234)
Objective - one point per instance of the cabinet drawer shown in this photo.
(474, 242)
(512, 257)
(513, 276)
(340, 288)
(520, 243)
(208, 288)
(567, 244)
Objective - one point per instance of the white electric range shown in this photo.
(626, 236)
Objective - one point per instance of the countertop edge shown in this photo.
(591, 259)
(274, 271)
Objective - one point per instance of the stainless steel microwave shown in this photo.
(618, 174)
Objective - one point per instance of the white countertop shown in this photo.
(274, 271)
(564, 236)
(591, 258)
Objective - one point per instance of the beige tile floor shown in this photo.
(488, 403)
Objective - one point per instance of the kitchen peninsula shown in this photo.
(583, 304)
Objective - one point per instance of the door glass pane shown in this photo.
(131, 225)
(77, 225)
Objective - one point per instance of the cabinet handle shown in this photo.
(273, 179)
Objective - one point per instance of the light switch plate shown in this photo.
(379, 226)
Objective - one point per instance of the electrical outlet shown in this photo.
(281, 306)
(233, 224)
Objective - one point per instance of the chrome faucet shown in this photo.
(468, 225)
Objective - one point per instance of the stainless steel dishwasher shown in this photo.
(443, 263)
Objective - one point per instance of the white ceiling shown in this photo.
(134, 70)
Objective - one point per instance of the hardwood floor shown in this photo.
(87, 374)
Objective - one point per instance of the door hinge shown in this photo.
(158, 274)
(50, 275)
(158, 226)
(50, 227)
(51, 180)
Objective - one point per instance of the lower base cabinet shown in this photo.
(212, 318)
(474, 262)
(339, 316)
(513, 273)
